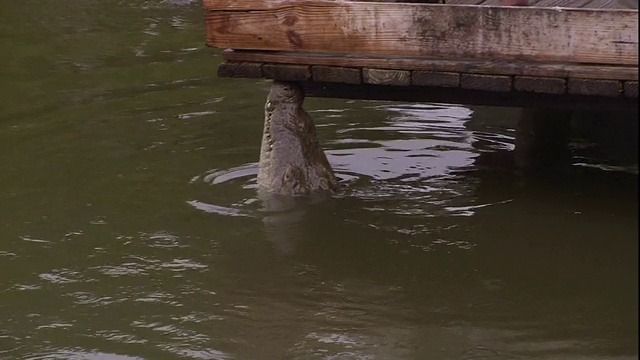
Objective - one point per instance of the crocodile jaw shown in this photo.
(291, 160)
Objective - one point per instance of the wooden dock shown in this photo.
(464, 51)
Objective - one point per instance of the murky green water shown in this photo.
(130, 228)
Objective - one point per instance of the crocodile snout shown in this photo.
(291, 159)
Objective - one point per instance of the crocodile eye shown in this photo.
(270, 106)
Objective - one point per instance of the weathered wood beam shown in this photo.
(405, 78)
(499, 83)
(286, 72)
(435, 78)
(583, 4)
(630, 89)
(594, 87)
(472, 66)
(403, 29)
(240, 69)
(543, 85)
(336, 74)
(386, 77)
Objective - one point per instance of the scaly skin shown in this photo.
(291, 160)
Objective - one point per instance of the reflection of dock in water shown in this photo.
(553, 56)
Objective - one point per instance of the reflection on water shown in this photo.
(132, 228)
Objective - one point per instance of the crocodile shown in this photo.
(292, 163)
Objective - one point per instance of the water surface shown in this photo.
(130, 227)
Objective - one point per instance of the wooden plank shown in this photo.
(336, 74)
(464, 2)
(582, 4)
(435, 78)
(240, 69)
(594, 87)
(386, 77)
(560, 3)
(577, 4)
(492, 2)
(573, 35)
(497, 83)
(473, 66)
(286, 72)
(587, 4)
(408, 1)
(546, 85)
(630, 89)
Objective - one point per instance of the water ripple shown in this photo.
(88, 298)
(162, 239)
(409, 166)
(217, 209)
(64, 276)
(179, 265)
(77, 354)
(120, 337)
(123, 269)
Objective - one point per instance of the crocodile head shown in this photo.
(291, 159)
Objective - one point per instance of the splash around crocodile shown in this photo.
(292, 162)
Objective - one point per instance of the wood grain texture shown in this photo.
(545, 85)
(473, 66)
(240, 69)
(497, 83)
(578, 4)
(386, 77)
(435, 78)
(286, 72)
(575, 4)
(630, 89)
(336, 74)
(587, 4)
(594, 87)
(403, 29)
